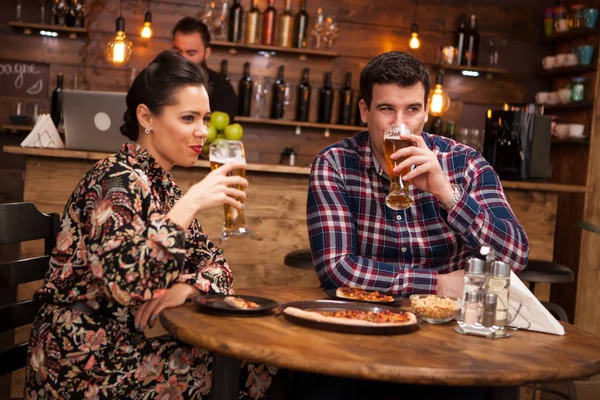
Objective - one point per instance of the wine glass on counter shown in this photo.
(330, 32)
(318, 29)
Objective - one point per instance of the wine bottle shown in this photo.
(268, 27)
(472, 42)
(224, 70)
(286, 26)
(245, 92)
(56, 102)
(326, 101)
(70, 15)
(252, 18)
(300, 27)
(278, 96)
(235, 22)
(346, 97)
(460, 40)
(303, 103)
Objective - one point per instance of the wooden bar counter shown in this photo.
(275, 209)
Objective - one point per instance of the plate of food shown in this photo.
(357, 294)
(235, 304)
(350, 317)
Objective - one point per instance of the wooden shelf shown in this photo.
(570, 35)
(568, 140)
(570, 70)
(27, 28)
(284, 122)
(272, 50)
(21, 128)
(477, 69)
(581, 105)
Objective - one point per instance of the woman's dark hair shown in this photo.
(156, 85)
(393, 67)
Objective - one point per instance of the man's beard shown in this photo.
(203, 64)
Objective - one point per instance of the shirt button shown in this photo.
(399, 217)
(404, 249)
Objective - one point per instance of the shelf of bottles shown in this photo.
(570, 70)
(580, 105)
(571, 34)
(486, 70)
(583, 140)
(301, 124)
(272, 50)
(48, 30)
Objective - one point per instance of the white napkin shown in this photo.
(531, 310)
(44, 135)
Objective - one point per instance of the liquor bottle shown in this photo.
(300, 27)
(278, 96)
(472, 42)
(460, 40)
(436, 125)
(56, 102)
(70, 16)
(286, 25)
(252, 24)
(346, 97)
(303, 104)
(357, 119)
(326, 101)
(224, 73)
(268, 27)
(235, 22)
(245, 92)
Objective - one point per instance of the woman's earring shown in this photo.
(147, 130)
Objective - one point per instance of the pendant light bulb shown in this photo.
(147, 29)
(118, 50)
(439, 101)
(414, 42)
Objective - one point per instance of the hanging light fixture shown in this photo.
(118, 50)
(414, 42)
(147, 29)
(438, 101)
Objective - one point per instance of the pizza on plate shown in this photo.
(347, 292)
(356, 317)
(237, 302)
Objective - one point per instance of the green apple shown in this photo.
(205, 150)
(219, 136)
(234, 132)
(212, 133)
(219, 119)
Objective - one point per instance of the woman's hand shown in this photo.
(216, 189)
(174, 296)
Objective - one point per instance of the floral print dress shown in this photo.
(116, 250)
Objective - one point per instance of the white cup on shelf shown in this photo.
(541, 97)
(576, 130)
(549, 62)
(564, 95)
(561, 60)
(562, 130)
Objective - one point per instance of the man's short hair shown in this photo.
(189, 25)
(393, 67)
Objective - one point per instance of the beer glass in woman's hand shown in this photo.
(221, 152)
(399, 197)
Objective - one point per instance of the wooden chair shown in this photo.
(301, 258)
(20, 222)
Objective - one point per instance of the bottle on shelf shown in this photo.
(357, 118)
(70, 16)
(252, 19)
(300, 27)
(286, 26)
(303, 102)
(326, 100)
(460, 39)
(472, 42)
(436, 126)
(278, 99)
(346, 98)
(236, 14)
(224, 73)
(450, 130)
(56, 102)
(268, 25)
(245, 93)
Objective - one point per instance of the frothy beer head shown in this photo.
(396, 130)
(225, 151)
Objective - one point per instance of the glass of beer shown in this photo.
(222, 152)
(399, 197)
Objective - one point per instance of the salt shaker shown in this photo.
(474, 278)
(471, 308)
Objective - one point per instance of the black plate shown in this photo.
(397, 298)
(216, 303)
(336, 305)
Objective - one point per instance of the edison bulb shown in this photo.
(439, 102)
(147, 30)
(118, 51)
(414, 42)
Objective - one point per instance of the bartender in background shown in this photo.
(191, 39)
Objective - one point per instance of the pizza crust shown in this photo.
(236, 302)
(314, 316)
(339, 292)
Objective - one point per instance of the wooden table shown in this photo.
(434, 355)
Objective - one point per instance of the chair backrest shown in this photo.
(20, 222)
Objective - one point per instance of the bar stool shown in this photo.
(301, 258)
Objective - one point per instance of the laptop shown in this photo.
(92, 120)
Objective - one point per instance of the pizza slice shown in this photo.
(356, 317)
(237, 302)
(352, 293)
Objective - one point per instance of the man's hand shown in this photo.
(451, 284)
(173, 297)
(427, 174)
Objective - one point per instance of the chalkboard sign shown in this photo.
(24, 79)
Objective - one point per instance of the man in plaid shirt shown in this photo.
(356, 240)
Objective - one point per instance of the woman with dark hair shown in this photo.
(130, 247)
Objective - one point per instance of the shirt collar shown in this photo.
(144, 159)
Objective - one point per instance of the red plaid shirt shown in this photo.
(357, 240)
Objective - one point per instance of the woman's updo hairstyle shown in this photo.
(156, 85)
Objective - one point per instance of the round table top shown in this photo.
(433, 355)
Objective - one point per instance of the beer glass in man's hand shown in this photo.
(222, 152)
(399, 197)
